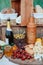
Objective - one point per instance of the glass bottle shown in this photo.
(9, 34)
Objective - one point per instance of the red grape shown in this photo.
(21, 54)
(18, 55)
(23, 57)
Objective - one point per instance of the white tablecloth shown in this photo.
(5, 61)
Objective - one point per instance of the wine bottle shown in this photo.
(9, 34)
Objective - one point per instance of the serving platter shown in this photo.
(26, 62)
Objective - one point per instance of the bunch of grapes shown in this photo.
(21, 54)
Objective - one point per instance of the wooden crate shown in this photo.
(40, 31)
(3, 28)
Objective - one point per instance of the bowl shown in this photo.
(20, 35)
